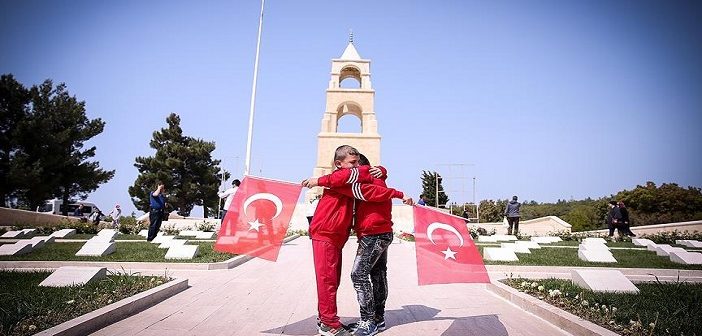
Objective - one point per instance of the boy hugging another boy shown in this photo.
(329, 231)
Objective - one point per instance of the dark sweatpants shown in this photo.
(155, 219)
(369, 275)
(513, 222)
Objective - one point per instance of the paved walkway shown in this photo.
(265, 298)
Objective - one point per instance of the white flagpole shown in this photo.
(253, 94)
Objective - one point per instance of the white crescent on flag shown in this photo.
(435, 225)
(273, 198)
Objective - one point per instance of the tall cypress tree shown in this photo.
(430, 181)
(184, 164)
(14, 100)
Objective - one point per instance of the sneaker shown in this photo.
(326, 330)
(380, 323)
(366, 328)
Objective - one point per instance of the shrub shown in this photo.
(297, 232)
(170, 230)
(129, 225)
(205, 226)
(669, 237)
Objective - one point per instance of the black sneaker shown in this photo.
(380, 323)
(326, 330)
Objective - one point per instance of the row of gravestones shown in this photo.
(508, 251)
(102, 244)
(676, 254)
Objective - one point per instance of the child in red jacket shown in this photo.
(330, 228)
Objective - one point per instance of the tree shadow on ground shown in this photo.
(483, 325)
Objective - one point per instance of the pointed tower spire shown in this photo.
(350, 52)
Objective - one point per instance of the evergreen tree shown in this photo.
(50, 159)
(184, 164)
(430, 182)
(14, 98)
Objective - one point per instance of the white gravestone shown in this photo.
(593, 247)
(603, 281)
(500, 238)
(96, 249)
(594, 240)
(16, 249)
(487, 239)
(13, 234)
(499, 254)
(188, 233)
(598, 256)
(108, 233)
(516, 248)
(642, 242)
(63, 233)
(205, 235)
(39, 241)
(183, 252)
(172, 242)
(529, 244)
(101, 239)
(144, 233)
(689, 243)
(74, 276)
(664, 250)
(161, 239)
(652, 247)
(686, 258)
(545, 240)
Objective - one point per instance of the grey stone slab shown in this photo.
(18, 248)
(172, 242)
(96, 249)
(529, 244)
(642, 242)
(516, 248)
(664, 250)
(183, 252)
(205, 235)
(64, 233)
(599, 256)
(499, 254)
(686, 258)
(13, 234)
(74, 276)
(603, 281)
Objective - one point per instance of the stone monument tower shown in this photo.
(357, 102)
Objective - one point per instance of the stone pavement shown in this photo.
(266, 298)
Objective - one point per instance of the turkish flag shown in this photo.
(445, 251)
(258, 218)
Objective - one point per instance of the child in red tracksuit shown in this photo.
(373, 226)
(330, 228)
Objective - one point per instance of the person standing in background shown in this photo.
(116, 215)
(157, 201)
(229, 194)
(512, 214)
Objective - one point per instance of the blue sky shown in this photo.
(547, 99)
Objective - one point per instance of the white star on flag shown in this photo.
(449, 254)
(255, 225)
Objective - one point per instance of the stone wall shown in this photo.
(14, 217)
(655, 228)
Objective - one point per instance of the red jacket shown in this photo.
(374, 214)
(333, 217)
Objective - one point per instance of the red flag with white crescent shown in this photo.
(258, 218)
(446, 252)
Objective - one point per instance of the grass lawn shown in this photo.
(125, 237)
(126, 251)
(553, 256)
(659, 308)
(26, 308)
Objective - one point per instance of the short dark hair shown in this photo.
(613, 203)
(236, 182)
(363, 160)
(514, 198)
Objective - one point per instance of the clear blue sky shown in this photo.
(549, 99)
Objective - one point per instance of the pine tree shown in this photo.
(184, 164)
(430, 181)
(50, 159)
(14, 98)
